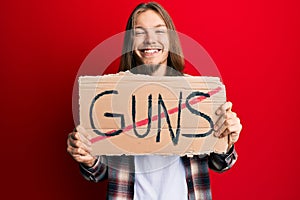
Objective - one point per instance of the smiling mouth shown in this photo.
(149, 52)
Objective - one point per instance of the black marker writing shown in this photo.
(149, 117)
(162, 104)
(97, 131)
(196, 112)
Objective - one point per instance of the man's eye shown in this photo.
(161, 31)
(139, 33)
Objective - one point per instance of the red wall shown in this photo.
(43, 43)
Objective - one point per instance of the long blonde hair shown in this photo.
(175, 56)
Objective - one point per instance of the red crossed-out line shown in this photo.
(162, 115)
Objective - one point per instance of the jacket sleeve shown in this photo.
(95, 173)
(222, 162)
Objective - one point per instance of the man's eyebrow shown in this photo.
(157, 26)
(160, 25)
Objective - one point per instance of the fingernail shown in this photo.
(216, 127)
(217, 133)
(218, 112)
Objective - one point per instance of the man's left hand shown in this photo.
(228, 124)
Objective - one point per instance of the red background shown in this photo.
(43, 43)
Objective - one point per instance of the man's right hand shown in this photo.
(79, 147)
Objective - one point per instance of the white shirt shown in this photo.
(159, 177)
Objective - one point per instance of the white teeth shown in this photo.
(151, 51)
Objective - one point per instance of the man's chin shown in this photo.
(146, 69)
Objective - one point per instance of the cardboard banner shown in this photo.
(139, 114)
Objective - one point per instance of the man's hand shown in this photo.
(79, 146)
(228, 124)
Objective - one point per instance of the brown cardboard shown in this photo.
(117, 93)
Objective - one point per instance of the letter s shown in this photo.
(196, 112)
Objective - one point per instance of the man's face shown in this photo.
(150, 40)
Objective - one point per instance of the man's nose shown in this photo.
(150, 37)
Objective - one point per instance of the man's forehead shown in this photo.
(149, 19)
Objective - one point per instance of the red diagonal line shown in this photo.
(162, 115)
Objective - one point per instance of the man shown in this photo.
(149, 43)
